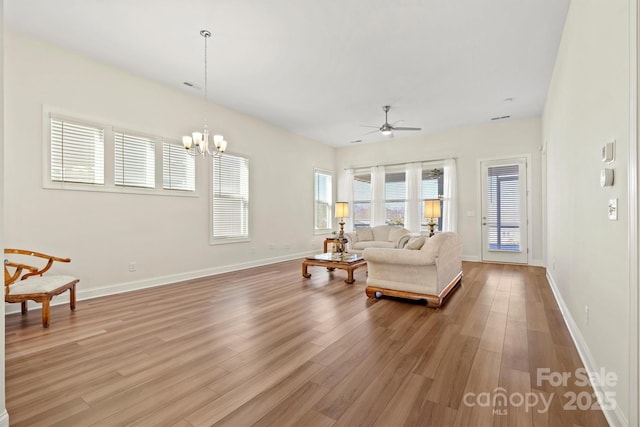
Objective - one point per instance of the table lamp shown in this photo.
(342, 211)
(431, 211)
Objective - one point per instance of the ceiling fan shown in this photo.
(387, 129)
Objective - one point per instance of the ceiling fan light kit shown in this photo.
(386, 129)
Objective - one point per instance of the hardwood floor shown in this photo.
(267, 347)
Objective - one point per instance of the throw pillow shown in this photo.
(364, 234)
(396, 233)
(415, 243)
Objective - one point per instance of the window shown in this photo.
(361, 199)
(230, 199)
(178, 168)
(77, 152)
(135, 164)
(432, 188)
(88, 155)
(503, 207)
(322, 188)
(395, 195)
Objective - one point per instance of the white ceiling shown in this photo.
(322, 68)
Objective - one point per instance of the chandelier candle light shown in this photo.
(342, 211)
(198, 143)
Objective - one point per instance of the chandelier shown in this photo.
(198, 143)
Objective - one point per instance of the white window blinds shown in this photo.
(178, 168)
(77, 152)
(135, 164)
(361, 198)
(503, 207)
(230, 198)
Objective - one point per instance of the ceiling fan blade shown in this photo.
(406, 128)
(369, 133)
(369, 126)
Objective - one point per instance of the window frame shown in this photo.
(329, 229)
(109, 185)
(230, 240)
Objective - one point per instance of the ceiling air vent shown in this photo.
(500, 117)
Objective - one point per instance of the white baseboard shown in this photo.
(471, 258)
(4, 419)
(614, 417)
(118, 288)
(537, 263)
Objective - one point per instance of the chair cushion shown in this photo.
(39, 284)
(364, 234)
(415, 243)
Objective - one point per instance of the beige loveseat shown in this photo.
(380, 236)
(428, 273)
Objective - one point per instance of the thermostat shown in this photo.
(606, 177)
(608, 152)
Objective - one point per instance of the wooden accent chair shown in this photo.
(33, 285)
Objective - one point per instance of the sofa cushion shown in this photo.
(416, 243)
(364, 234)
(396, 233)
(372, 244)
(381, 233)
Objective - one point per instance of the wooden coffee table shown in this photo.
(331, 261)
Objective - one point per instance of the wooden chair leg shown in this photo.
(45, 312)
(24, 307)
(72, 298)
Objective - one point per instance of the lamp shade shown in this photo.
(432, 209)
(342, 209)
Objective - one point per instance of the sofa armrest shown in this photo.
(351, 238)
(403, 240)
(397, 256)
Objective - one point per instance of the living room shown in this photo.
(590, 261)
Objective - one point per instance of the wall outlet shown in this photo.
(586, 314)
(132, 266)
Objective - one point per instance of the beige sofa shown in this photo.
(380, 236)
(428, 273)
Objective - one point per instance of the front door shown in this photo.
(504, 210)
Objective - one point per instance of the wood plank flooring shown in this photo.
(266, 347)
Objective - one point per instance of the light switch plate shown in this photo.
(613, 209)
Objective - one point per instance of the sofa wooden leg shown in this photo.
(24, 307)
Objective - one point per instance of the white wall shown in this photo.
(4, 420)
(469, 145)
(166, 236)
(588, 259)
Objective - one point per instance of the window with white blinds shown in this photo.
(322, 201)
(230, 198)
(135, 160)
(362, 198)
(503, 207)
(395, 195)
(178, 168)
(83, 154)
(77, 152)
